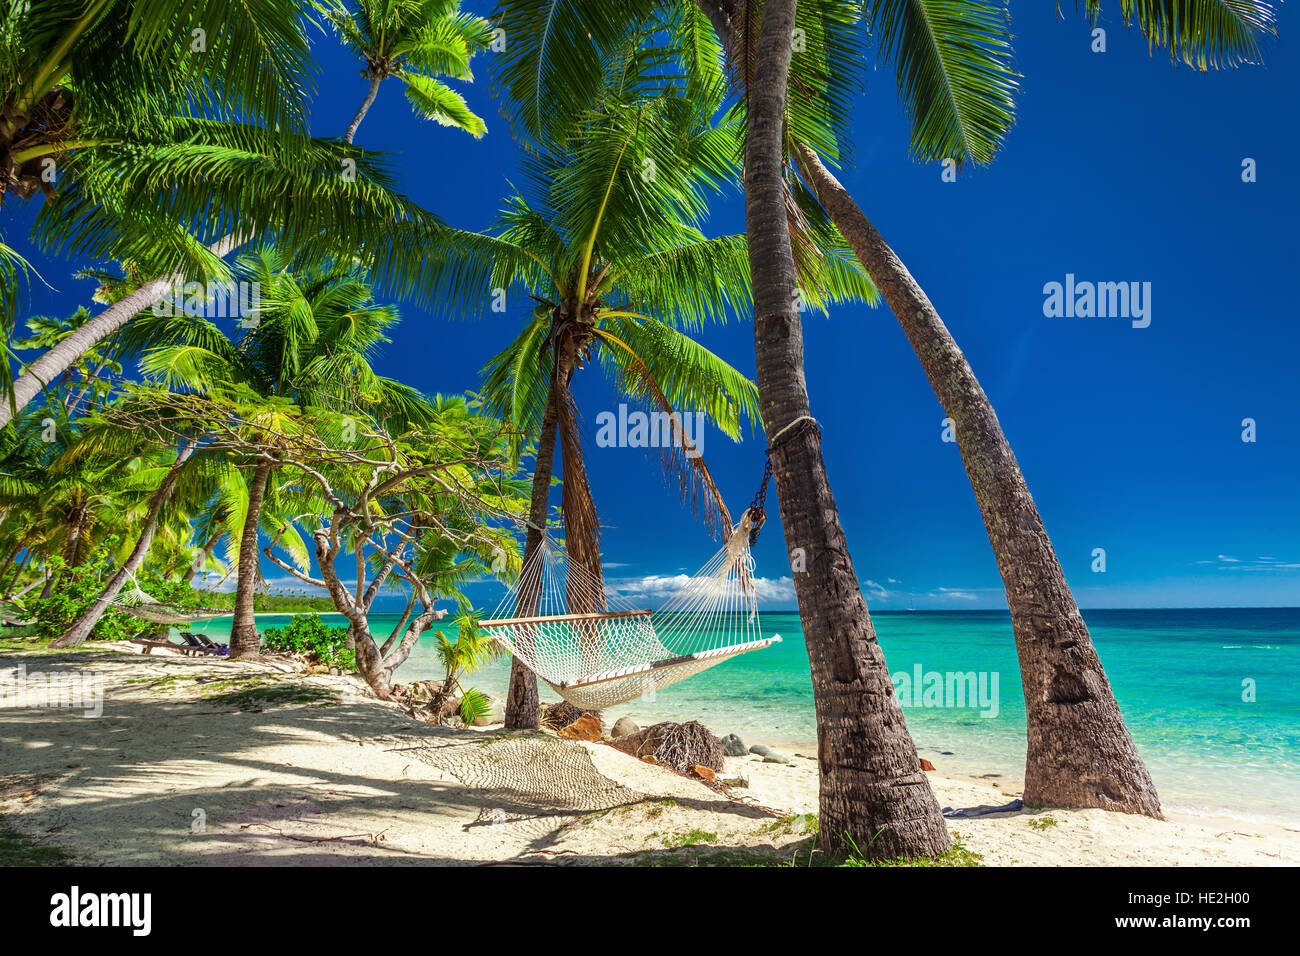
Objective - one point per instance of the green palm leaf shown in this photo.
(952, 61)
(1204, 34)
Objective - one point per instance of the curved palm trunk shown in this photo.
(244, 641)
(522, 701)
(76, 522)
(873, 790)
(208, 547)
(73, 544)
(1080, 752)
(9, 561)
(22, 566)
(62, 356)
(80, 629)
(365, 108)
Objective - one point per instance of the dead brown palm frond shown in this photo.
(679, 458)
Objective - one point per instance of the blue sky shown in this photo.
(1121, 168)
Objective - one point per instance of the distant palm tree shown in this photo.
(415, 41)
(167, 132)
(311, 345)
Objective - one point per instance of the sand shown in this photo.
(199, 762)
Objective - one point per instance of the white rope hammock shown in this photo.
(145, 607)
(595, 659)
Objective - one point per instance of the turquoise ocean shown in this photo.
(1212, 696)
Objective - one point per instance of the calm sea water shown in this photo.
(1183, 679)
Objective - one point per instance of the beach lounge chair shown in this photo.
(205, 644)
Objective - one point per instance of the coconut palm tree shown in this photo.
(172, 485)
(873, 791)
(167, 154)
(310, 345)
(952, 63)
(606, 245)
(415, 41)
(953, 70)
(95, 366)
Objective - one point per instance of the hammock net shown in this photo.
(140, 605)
(595, 659)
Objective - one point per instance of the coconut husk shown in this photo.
(679, 746)
(561, 715)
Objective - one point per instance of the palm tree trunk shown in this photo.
(74, 398)
(58, 359)
(74, 555)
(873, 791)
(80, 629)
(22, 566)
(1080, 753)
(365, 108)
(522, 702)
(31, 585)
(208, 547)
(76, 521)
(9, 561)
(244, 640)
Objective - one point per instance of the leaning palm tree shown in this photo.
(873, 791)
(952, 63)
(414, 41)
(311, 345)
(172, 484)
(607, 247)
(95, 366)
(1080, 753)
(167, 154)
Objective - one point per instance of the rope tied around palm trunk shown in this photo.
(758, 507)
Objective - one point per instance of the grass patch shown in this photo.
(959, 854)
(804, 854)
(18, 850)
(705, 855)
(1042, 823)
(19, 643)
(783, 826)
(690, 838)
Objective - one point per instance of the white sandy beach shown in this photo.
(203, 762)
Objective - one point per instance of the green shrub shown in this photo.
(77, 589)
(308, 635)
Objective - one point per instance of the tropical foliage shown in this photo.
(306, 635)
(161, 448)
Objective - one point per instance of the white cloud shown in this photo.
(956, 594)
(877, 591)
(1262, 563)
(655, 588)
